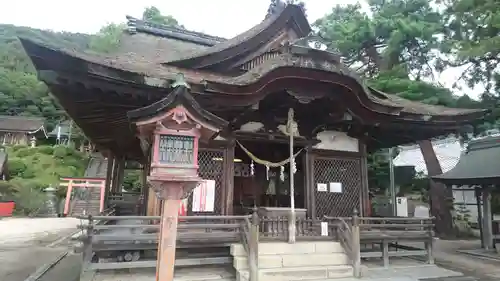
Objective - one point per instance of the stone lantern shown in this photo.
(171, 130)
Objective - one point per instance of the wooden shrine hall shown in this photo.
(253, 86)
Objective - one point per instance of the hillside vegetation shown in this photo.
(32, 170)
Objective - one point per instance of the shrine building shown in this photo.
(250, 86)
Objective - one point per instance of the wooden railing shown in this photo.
(250, 241)
(347, 233)
(128, 236)
(276, 228)
(392, 231)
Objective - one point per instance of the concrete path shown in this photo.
(25, 244)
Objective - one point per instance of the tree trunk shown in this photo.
(438, 193)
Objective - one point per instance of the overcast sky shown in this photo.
(225, 18)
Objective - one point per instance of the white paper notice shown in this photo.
(324, 228)
(204, 197)
(336, 187)
(322, 187)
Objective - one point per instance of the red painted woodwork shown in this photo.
(7, 208)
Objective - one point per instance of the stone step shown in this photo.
(204, 274)
(313, 273)
(294, 260)
(278, 248)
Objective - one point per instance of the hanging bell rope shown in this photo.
(265, 162)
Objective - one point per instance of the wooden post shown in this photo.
(429, 245)
(487, 224)
(365, 206)
(87, 247)
(120, 175)
(144, 190)
(254, 247)
(168, 235)
(477, 193)
(109, 175)
(68, 198)
(228, 177)
(356, 245)
(114, 175)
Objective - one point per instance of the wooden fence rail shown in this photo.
(124, 234)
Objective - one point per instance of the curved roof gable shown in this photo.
(222, 55)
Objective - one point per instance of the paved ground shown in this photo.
(446, 255)
(25, 244)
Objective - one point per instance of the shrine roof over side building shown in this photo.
(477, 166)
(24, 124)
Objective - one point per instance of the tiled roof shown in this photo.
(159, 43)
(448, 152)
(21, 124)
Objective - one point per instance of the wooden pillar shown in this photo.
(364, 194)
(120, 174)
(487, 219)
(109, 175)
(228, 173)
(144, 189)
(114, 175)
(313, 183)
(477, 193)
(308, 183)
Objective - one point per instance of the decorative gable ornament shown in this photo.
(318, 45)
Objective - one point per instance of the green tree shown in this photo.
(153, 14)
(107, 39)
(393, 47)
(472, 40)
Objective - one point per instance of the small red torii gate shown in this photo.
(72, 183)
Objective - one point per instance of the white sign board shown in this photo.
(204, 197)
(401, 206)
(421, 212)
(336, 187)
(324, 228)
(322, 187)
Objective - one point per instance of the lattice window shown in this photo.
(210, 168)
(176, 149)
(344, 170)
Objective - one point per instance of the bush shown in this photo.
(18, 146)
(60, 151)
(16, 166)
(29, 201)
(47, 150)
(29, 173)
(24, 152)
(7, 190)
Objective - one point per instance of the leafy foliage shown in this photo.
(153, 14)
(43, 166)
(471, 39)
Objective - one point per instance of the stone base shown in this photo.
(299, 261)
